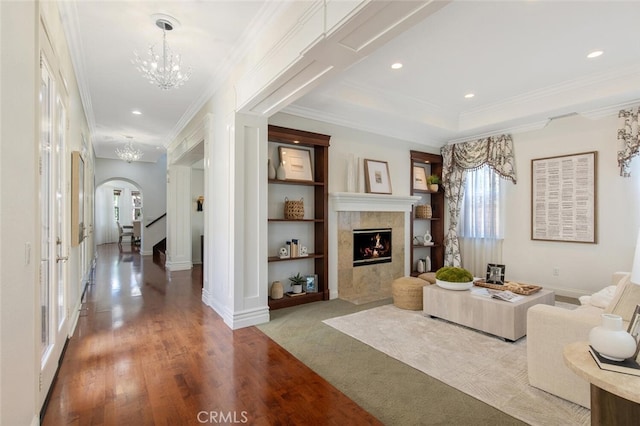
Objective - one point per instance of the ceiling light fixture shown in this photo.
(595, 54)
(469, 95)
(396, 66)
(163, 69)
(136, 112)
(129, 153)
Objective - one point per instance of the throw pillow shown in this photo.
(626, 299)
(603, 298)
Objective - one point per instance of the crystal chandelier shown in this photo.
(163, 69)
(129, 153)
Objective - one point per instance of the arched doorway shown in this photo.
(118, 200)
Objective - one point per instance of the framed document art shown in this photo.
(296, 162)
(420, 178)
(376, 177)
(77, 198)
(563, 198)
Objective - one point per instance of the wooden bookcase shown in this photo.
(432, 163)
(314, 224)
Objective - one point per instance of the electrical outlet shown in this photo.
(556, 271)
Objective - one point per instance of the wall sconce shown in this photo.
(199, 203)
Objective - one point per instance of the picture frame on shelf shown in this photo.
(495, 273)
(634, 330)
(420, 178)
(312, 283)
(376, 174)
(296, 162)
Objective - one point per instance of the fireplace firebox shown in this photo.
(371, 246)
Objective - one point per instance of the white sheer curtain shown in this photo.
(106, 229)
(481, 224)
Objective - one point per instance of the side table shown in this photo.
(615, 397)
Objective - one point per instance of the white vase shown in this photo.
(272, 170)
(427, 239)
(351, 174)
(420, 267)
(610, 340)
(427, 264)
(281, 174)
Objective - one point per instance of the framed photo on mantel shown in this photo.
(376, 177)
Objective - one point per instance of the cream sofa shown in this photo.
(551, 328)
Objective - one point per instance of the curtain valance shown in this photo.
(495, 151)
(629, 138)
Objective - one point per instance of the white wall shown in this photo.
(151, 178)
(584, 268)
(19, 362)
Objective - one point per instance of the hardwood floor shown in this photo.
(147, 351)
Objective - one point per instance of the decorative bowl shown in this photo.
(454, 286)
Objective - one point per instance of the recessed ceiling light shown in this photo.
(469, 95)
(136, 112)
(595, 54)
(396, 66)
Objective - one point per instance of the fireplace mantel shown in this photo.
(357, 201)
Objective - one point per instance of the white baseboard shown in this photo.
(178, 266)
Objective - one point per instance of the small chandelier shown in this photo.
(129, 153)
(163, 69)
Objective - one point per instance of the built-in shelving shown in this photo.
(314, 224)
(432, 163)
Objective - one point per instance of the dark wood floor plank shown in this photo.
(147, 351)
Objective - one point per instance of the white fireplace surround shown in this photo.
(364, 202)
(360, 202)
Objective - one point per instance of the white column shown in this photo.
(179, 218)
(235, 235)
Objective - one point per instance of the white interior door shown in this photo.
(54, 249)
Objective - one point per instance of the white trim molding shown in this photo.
(356, 201)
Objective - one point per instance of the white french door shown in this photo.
(54, 248)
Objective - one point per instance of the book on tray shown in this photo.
(628, 366)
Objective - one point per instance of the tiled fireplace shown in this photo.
(357, 212)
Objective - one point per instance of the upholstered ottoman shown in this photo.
(407, 293)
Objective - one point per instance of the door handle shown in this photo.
(63, 259)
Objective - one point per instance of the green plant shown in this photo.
(297, 279)
(433, 180)
(454, 274)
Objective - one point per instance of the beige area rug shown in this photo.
(475, 363)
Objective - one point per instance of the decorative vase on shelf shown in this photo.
(427, 239)
(611, 340)
(277, 290)
(281, 174)
(272, 170)
(427, 264)
(420, 267)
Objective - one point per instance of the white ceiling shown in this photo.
(524, 60)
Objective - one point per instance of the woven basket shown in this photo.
(423, 211)
(293, 209)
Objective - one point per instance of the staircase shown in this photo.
(159, 252)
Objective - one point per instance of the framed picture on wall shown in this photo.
(77, 198)
(563, 198)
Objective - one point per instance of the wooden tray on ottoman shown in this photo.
(524, 289)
